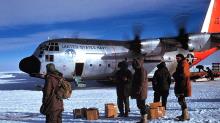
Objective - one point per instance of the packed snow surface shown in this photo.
(20, 101)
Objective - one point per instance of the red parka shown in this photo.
(182, 79)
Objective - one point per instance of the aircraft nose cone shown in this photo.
(30, 65)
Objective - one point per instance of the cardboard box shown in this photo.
(161, 111)
(155, 104)
(153, 113)
(77, 113)
(92, 114)
(111, 110)
(83, 111)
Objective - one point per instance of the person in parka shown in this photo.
(53, 104)
(210, 73)
(140, 87)
(123, 88)
(161, 83)
(182, 87)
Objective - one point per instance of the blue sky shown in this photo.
(24, 24)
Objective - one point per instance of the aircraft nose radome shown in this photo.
(30, 65)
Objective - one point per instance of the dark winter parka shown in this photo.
(182, 79)
(139, 83)
(161, 79)
(123, 82)
(49, 96)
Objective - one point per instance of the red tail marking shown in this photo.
(199, 56)
(215, 18)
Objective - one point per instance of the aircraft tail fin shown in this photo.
(199, 56)
(211, 23)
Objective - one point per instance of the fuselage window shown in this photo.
(100, 65)
(109, 65)
(49, 58)
(90, 65)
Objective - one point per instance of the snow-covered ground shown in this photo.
(20, 102)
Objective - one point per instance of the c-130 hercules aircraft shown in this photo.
(98, 59)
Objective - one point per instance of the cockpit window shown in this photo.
(41, 50)
(47, 48)
(41, 53)
(52, 46)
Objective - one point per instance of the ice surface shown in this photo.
(4, 75)
(22, 104)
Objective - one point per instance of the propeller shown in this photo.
(135, 44)
(183, 36)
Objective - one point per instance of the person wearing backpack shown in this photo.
(53, 106)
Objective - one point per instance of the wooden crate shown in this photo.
(77, 113)
(83, 110)
(153, 113)
(92, 114)
(111, 110)
(161, 111)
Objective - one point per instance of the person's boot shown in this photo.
(121, 115)
(129, 110)
(180, 116)
(126, 114)
(186, 114)
(143, 119)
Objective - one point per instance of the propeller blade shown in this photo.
(182, 36)
(135, 45)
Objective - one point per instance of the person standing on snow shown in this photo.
(161, 83)
(182, 87)
(123, 88)
(53, 106)
(139, 87)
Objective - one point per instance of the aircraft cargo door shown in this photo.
(79, 69)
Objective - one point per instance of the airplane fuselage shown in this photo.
(98, 59)
(86, 58)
